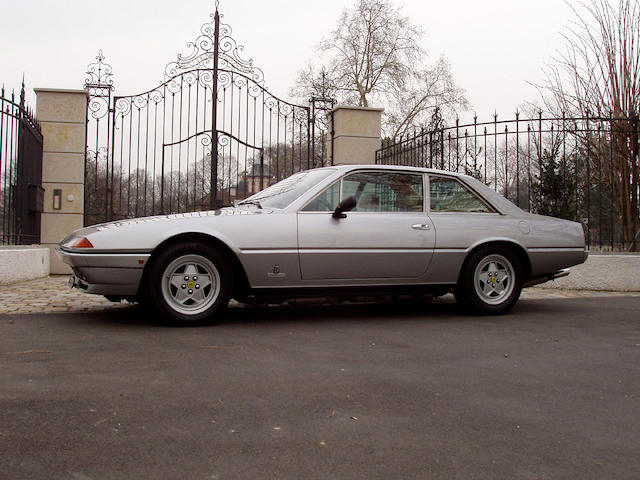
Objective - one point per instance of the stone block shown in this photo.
(71, 201)
(56, 226)
(63, 137)
(66, 106)
(357, 121)
(63, 167)
(355, 150)
(57, 266)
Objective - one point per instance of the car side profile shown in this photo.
(357, 229)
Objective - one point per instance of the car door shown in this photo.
(388, 234)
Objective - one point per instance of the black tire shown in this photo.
(188, 284)
(491, 281)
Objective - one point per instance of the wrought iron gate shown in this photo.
(209, 134)
(21, 192)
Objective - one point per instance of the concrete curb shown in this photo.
(615, 272)
(22, 263)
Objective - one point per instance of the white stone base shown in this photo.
(21, 263)
(613, 272)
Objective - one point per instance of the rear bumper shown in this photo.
(105, 273)
(545, 260)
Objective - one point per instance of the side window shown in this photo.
(385, 191)
(326, 201)
(449, 195)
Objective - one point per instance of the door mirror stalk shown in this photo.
(344, 206)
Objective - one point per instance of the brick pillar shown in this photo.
(63, 117)
(354, 135)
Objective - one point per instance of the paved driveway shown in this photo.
(390, 392)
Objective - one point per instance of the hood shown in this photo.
(154, 225)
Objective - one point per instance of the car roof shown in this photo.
(360, 166)
(502, 204)
(404, 168)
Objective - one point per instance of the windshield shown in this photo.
(286, 191)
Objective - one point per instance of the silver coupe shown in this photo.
(343, 230)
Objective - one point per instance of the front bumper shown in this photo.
(105, 273)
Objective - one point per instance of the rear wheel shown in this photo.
(491, 281)
(189, 283)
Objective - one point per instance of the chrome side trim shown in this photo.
(269, 251)
(368, 250)
(555, 249)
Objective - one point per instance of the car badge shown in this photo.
(276, 272)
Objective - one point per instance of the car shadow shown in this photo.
(442, 309)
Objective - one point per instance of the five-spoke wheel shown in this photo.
(493, 279)
(187, 283)
(190, 284)
(490, 281)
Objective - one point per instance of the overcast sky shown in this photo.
(494, 46)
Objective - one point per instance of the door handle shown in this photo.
(421, 226)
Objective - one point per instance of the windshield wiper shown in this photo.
(251, 202)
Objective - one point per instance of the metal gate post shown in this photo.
(634, 180)
(21, 184)
(214, 115)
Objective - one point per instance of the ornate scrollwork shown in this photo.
(285, 110)
(98, 106)
(224, 140)
(98, 157)
(203, 49)
(99, 84)
(122, 106)
(205, 139)
(172, 86)
(99, 75)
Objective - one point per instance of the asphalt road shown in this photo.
(550, 391)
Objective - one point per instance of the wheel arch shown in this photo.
(241, 284)
(516, 248)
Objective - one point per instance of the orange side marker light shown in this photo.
(83, 243)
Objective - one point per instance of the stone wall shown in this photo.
(21, 263)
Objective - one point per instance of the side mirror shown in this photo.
(344, 206)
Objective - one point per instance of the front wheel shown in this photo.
(189, 283)
(491, 281)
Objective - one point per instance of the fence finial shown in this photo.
(22, 92)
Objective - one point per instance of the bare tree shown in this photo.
(313, 82)
(599, 70)
(410, 107)
(372, 50)
(374, 54)
(598, 74)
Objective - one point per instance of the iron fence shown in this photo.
(579, 168)
(21, 193)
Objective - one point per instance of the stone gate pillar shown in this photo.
(62, 114)
(354, 134)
